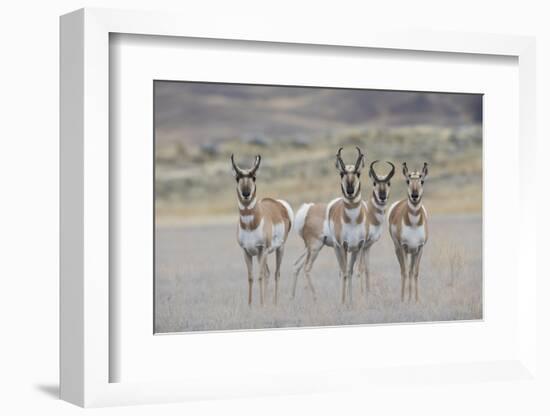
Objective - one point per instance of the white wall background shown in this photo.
(29, 197)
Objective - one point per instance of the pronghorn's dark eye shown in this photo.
(408, 182)
(374, 183)
(389, 184)
(422, 182)
(341, 175)
(358, 175)
(254, 178)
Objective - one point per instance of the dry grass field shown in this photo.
(201, 282)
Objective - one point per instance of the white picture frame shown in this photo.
(86, 333)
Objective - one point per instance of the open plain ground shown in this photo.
(201, 282)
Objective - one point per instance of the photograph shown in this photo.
(281, 206)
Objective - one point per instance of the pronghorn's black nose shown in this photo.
(414, 195)
(349, 190)
(246, 194)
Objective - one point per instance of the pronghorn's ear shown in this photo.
(234, 168)
(425, 170)
(405, 170)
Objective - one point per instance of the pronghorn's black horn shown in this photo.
(392, 171)
(360, 160)
(339, 162)
(256, 165)
(238, 170)
(372, 172)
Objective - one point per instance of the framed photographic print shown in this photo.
(290, 198)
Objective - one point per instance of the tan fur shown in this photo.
(337, 214)
(315, 235)
(256, 241)
(371, 215)
(313, 225)
(409, 237)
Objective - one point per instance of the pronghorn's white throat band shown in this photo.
(414, 207)
(247, 219)
(249, 206)
(355, 200)
(376, 205)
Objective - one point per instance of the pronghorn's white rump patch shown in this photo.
(301, 218)
(289, 211)
(251, 240)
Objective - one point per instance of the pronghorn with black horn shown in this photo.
(263, 227)
(376, 207)
(347, 217)
(408, 225)
(313, 222)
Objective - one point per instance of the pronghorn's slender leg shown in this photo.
(351, 264)
(366, 265)
(262, 259)
(361, 269)
(416, 270)
(249, 266)
(298, 265)
(400, 253)
(414, 256)
(267, 276)
(278, 259)
(341, 257)
(301, 258)
(309, 264)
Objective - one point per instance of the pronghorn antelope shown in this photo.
(376, 207)
(263, 227)
(315, 221)
(347, 218)
(408, 224)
